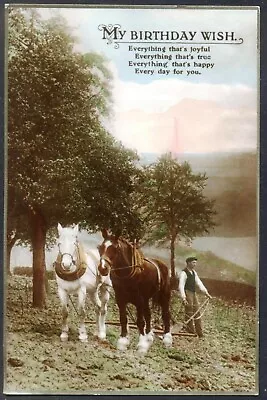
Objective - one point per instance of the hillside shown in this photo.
(209, 265)
(222, 164)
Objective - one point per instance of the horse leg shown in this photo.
(147, 316)
(64, 299)
(143, 344)
(81, 312)
(123, 340)
(166, 317)
(102, 311)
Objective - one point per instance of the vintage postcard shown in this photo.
(132, 146)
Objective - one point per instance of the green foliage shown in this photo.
(63, 164)
(22, 271)
(173, 201)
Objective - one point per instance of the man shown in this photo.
(189, 281)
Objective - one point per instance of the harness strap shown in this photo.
(157, 268)
(135, 268)
(130, 275)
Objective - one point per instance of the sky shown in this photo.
(208, 112)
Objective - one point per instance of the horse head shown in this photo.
(116, 253)
(67, 245)
(107, 252)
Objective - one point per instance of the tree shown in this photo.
(173, 204)
(63, 165)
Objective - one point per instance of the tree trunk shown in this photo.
(173, 277)
(9, 247)
(38, 236)
(47, 286)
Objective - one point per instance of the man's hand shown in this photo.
(209, 296)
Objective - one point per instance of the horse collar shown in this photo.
(73, 275)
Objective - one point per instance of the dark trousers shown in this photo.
(195, 324)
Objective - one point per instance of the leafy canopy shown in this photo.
(62, 161)
(172, 202)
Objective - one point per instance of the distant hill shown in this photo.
(241, 163)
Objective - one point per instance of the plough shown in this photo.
(175, 330)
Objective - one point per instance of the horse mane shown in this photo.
(137, 254)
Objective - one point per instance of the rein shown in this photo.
(201, 307)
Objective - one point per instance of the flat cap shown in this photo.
(189, 259)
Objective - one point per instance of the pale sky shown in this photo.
(214, 111)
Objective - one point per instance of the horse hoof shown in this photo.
(167, 339)
(83, 338)
(101, 336)
(122, 343)
(150, 337)
(64, 337)
(143, 344)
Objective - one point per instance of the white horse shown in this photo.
(77, 273)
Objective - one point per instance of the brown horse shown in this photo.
(136, 280)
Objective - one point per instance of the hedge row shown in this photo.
(27, 271)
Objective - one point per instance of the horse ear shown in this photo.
(105, 233)
(59, 228)
(76, 229)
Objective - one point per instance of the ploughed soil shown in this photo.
(36, 361)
